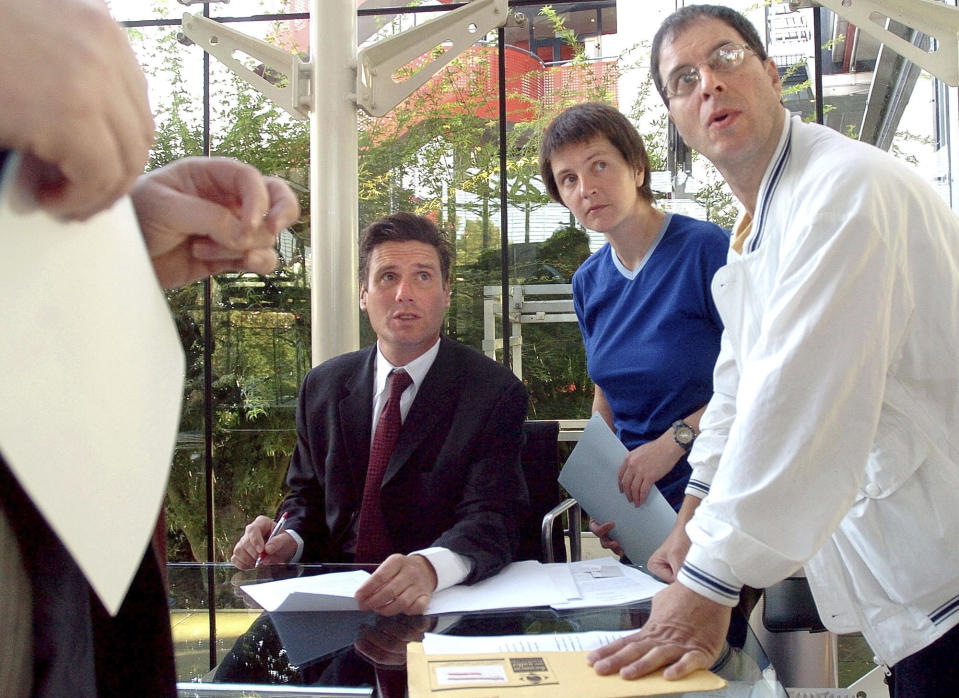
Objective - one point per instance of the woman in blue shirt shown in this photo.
(642, 300)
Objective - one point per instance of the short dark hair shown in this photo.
(581, 123)
(685, 16)
(404, 226)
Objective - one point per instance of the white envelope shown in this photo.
(92, 380)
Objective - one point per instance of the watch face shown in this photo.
(684, 434)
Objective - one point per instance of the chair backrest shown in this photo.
(540, 460)
(788, 606)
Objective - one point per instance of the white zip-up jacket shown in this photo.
(832, 439)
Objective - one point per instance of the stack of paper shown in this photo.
(525, 584)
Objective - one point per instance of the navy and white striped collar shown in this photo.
(770, 181)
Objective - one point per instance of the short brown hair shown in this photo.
(404, 226)
(584, 122)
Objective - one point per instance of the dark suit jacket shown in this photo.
(79, 650)
(454, 479)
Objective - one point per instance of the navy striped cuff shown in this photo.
(712, 587)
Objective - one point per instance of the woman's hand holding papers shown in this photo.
(646, 464)
(601, 531)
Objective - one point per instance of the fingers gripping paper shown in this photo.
(591, 475)
(92, 381)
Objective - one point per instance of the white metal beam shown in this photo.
(224, 43)
(326, 90)
(932, 18)
(334, 190)
(380, 85)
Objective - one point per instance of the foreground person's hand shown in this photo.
(202, 216)
(685, 632)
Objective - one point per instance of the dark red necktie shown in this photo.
(372, 539)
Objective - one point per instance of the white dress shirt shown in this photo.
(451, 568)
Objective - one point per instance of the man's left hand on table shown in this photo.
(685, 632)
(401, 584)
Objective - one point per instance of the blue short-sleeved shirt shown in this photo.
(652, 334)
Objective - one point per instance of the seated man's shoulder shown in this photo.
(488, 373)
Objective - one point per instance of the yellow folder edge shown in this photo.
(529, 674)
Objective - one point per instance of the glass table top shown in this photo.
(334, 653)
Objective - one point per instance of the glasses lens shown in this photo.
(683, 81)
(726, 57)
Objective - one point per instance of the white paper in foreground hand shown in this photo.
(92, 381)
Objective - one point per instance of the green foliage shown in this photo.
(443, 141)
(565, 250)
(260, 324)
(554, 358)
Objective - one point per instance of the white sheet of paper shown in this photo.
(607, 582)
(524, 584)
(518, 585)
(591, 475)
(562, 575)
(434, 643)
(320, 592)
(92, 384)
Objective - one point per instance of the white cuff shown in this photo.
(451, 568)
(709, 577)
(299, 545)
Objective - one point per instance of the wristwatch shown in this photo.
(683, 435)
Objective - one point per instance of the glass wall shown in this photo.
(452, 152)
(463, 150)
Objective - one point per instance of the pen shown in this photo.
(277, 530)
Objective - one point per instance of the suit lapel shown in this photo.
(356, 417)
(433, 400)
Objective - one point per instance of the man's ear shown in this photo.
(363, 298)
(449, 292)
(773, 73)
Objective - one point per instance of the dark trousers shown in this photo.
(932, 672)
(79, 650)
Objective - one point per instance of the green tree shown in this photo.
(432, 147)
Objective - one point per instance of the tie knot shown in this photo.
(399, 381)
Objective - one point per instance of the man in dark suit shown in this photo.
(452, 494)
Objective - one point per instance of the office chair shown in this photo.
(794, 636)
(789, 607)
(540, 462)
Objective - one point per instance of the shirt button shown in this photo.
(872, 489)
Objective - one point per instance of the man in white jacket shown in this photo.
(831, 439)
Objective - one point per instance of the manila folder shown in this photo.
(530, 674)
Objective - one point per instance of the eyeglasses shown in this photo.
(683, 81)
